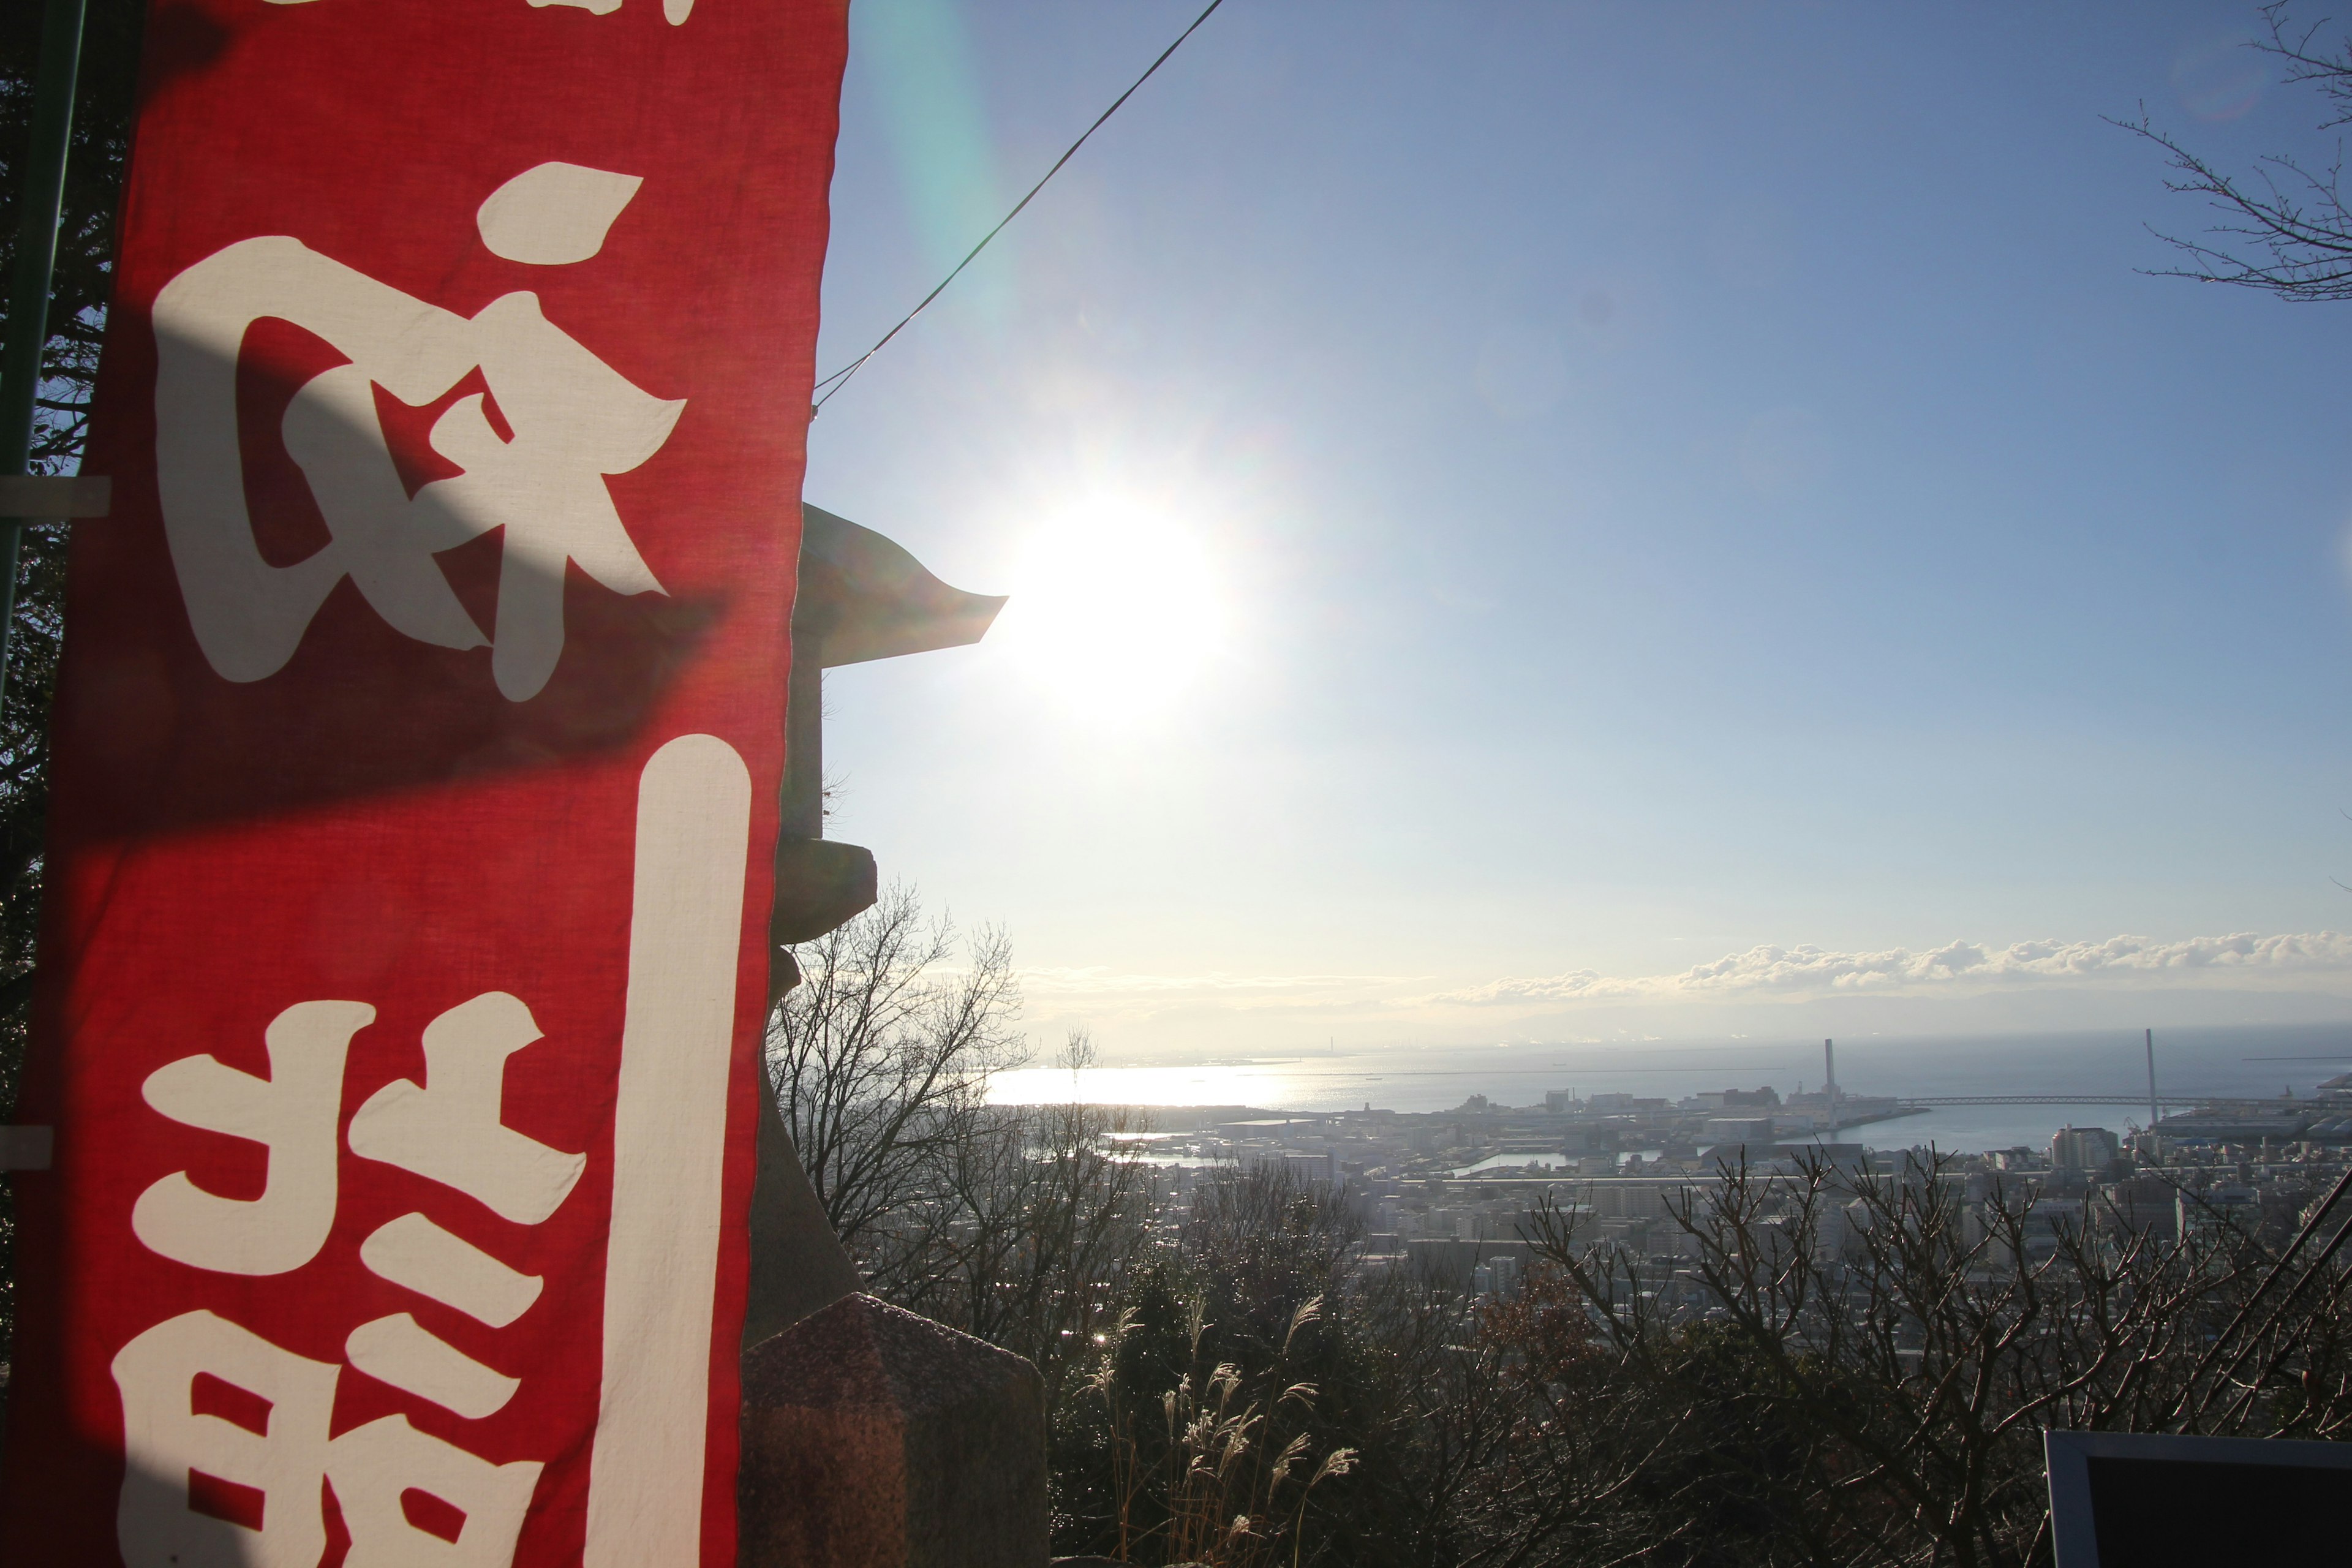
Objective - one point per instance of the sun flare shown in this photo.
(1116, 606)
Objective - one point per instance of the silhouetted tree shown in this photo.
(2284, 227)
(881, 1058)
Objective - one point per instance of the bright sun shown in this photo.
(1115, 608)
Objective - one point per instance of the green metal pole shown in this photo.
(36, 258)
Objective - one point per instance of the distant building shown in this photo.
(1525, 1141)
(1735, 1098)
(1854, 1157)
(2146, 1203)
(1560, 1102)
(1740, 1129)
(2242, 1123)
(2225, 1204)
(1627, 1199)
(2084, 1149)
(1454, 1263)
(1323, 1167)
(1498, 1275)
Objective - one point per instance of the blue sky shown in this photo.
(1497, 491)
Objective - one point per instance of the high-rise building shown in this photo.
(2083, 1149)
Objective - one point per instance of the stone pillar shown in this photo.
(798, 1267)
(873, 1439)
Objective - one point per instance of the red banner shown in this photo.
(416, 757)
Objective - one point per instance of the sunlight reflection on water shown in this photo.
(2252, 1060)
(1409, 1079)
(1273, 1084)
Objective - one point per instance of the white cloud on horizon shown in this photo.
(1066, 984)
(1807, 970)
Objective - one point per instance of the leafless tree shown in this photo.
(1040, 1213)
(1272, 1213)
(881, 1058)
(1011, 1223)
(1867, 1360)
(2284, 227)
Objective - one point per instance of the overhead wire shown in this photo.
(840, 378)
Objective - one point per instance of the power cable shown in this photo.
(840, 378)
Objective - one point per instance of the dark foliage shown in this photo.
(76, 319)
(1801, 1367)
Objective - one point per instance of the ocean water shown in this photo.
(2249, 1061)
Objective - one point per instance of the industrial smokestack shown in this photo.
(1829, 1063)
(2154, 1114)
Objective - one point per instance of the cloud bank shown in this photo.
(1100, 982)
(1799, 970)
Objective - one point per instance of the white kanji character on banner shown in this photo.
(574, 420)
(417, 1255)
(371, 1466)
(448, 1129)
(673, 11)
(661, 1250)
(166, 1443)
(291, 1113)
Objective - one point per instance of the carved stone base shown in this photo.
(873, 1439)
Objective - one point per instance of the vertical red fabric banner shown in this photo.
(416, 757)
